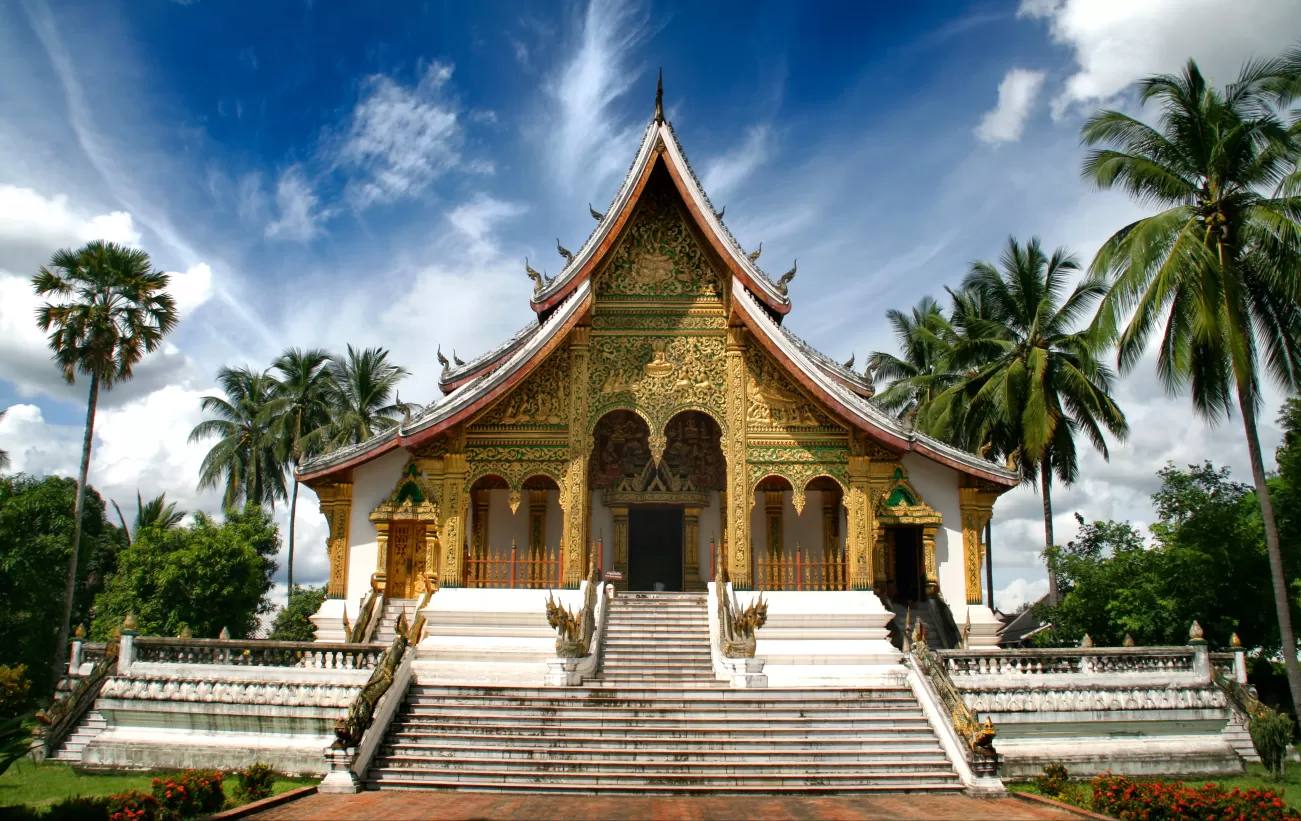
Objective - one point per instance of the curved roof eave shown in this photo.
(465, 401)
(854, 408)
(616, 216)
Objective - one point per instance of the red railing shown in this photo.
(799, 573)
(542, 572)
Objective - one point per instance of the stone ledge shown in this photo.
(255, 807)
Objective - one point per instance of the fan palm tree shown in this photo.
(246, 459)
(923, 371)
(365, 381)
(1219, 267)
(1035, 380)
(305, 388)
(109, 308)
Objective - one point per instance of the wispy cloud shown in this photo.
(725, 173)
(478, 218)
(402, 138)
(588, 142)
(1016, 96)
(300, 213)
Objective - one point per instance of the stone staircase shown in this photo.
(387, 629)
(655, 721)
(91, 725)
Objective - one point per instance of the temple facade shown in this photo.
(660, 422)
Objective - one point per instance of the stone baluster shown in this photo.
(126, 649)
(1201, 653)
(1239, 659)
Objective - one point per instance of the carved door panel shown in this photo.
(406, 559)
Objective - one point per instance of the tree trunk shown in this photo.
(1281, 600)
(293, 514)
(61, 647)
(1046, 482)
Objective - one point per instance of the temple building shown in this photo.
(656, 415)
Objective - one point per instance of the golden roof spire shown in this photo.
(659, 99)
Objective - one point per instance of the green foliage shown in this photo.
(292, 623)
(157, 512)
(1208, 564)
(1119, 797)
(1270, 735)
(255, 782)
(1052, 781)
(365, 401)
(15, 741)
(206, 576)
(132, 805)
(191, 794)
(80, 808)
(15, 691)
(36, 517)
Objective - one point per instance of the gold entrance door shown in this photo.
(406, 559)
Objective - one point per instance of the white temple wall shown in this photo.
(372, 483)
(938, 486)
(803, 529)
(709, 528)
(601, 526)
(504, 526)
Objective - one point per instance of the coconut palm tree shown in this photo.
(923, 371)
(157, 512)
(305, 388)
(1217, 271)
(246, 460)
(365, 382)
(1035, 380)
(109, 308)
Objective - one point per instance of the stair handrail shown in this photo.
(737, 626)
(63, 715)
(361, 632)
(575, 629)
(976, 737)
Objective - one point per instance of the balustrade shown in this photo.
(311, 655)
(512, 571)
(1068, 661)
(798, 572)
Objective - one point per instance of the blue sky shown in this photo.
(324, 173)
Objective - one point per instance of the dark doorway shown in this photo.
(654, 548)
(907, 575)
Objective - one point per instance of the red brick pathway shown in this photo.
(396, 805)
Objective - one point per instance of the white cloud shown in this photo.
(724, 173)
(33, 226)
(1117, 42)
(300, 214)
(1018, 593)
(403, 137)
(477, 218)
(587, 144)
(191, 288)
(1016, 96)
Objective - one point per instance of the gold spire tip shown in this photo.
(659, 99)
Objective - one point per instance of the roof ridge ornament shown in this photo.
(785, 281)
(659, 99)
(596, 215)
(565, 252)
(456, 358)
(718, 215)
(753, 256)
(533, 275)
(849, 364)
(442, 360)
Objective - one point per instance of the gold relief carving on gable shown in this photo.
(657, 375)
(414, 497)
(658, 256)
(684, 322)
(541, 399)
(774, 401)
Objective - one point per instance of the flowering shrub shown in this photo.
(1052, 782)
(15, 691)
(1128, 800)
(255, 782)
(132, 806)
(191, 794)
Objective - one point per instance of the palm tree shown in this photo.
(1219, 265)
(1035, 380)
(157, 512)
(110, 308)
(924, 371)
(365, 381)
(245, 458)
(4, 454)
(306, 386)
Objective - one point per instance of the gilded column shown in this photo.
(380, 576)
(862, 526)
(336, 506)
(620, 516)
(452, 510)
(977, 507)
(737, 494)
(691, 549)
(928, 560)
(574, 495)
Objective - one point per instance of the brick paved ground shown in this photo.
(396, 805)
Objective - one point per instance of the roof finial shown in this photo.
(659, 99)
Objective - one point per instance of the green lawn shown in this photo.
(43, 784)
(1289, 789)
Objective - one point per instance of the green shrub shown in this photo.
(1270, 734)
(1052, 782)
(255, 782)
(21, 812)
(132, 806)
(15, 691)
(80, 808)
